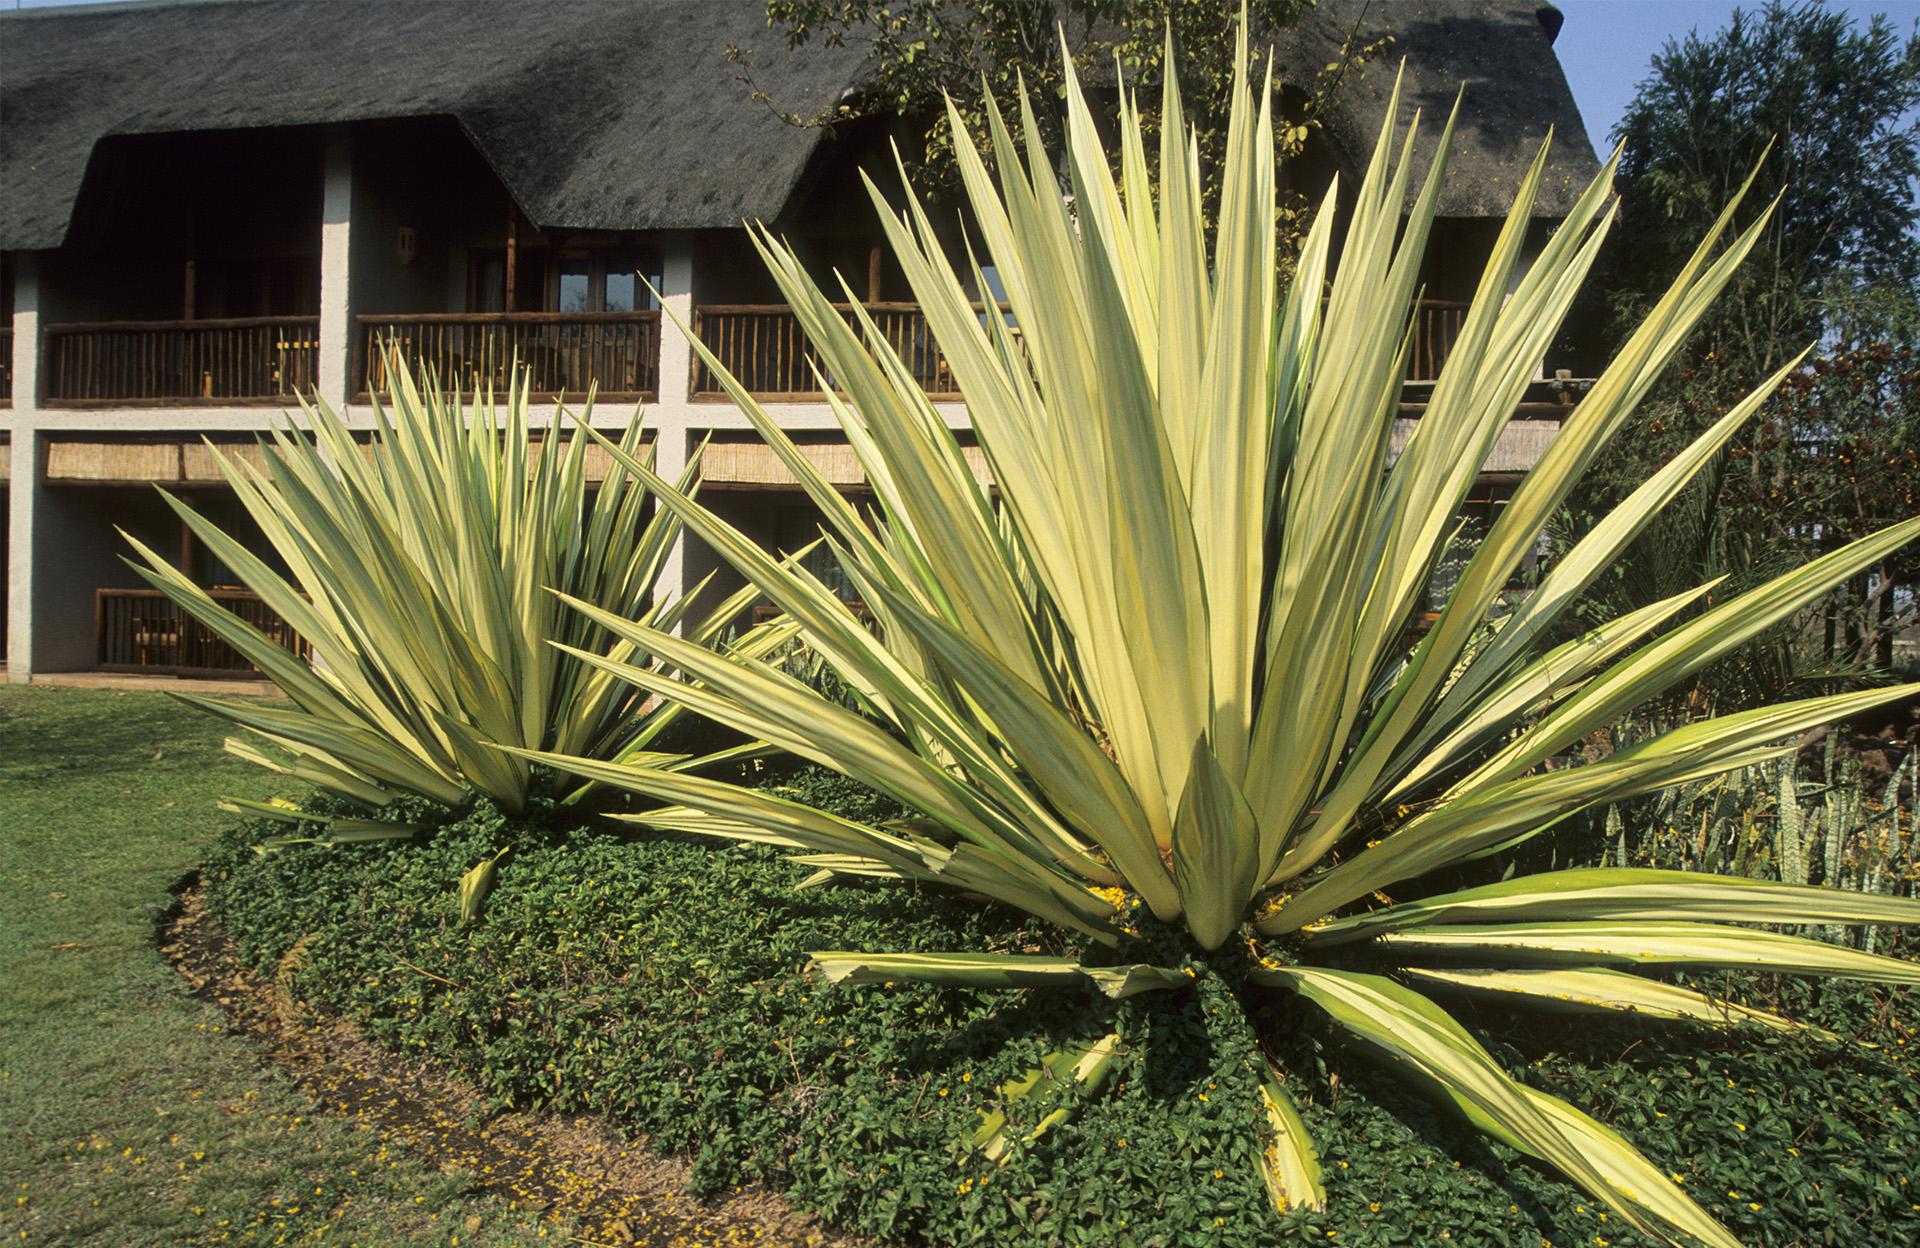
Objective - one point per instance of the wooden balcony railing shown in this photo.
(1436, 325)
(265, 359)
(563, 352)
(141, 630)
(764, 346)
(6, 365)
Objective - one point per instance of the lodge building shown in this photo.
(207, 206)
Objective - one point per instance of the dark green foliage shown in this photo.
(658, 981)
(921, 53)
(829, 790)
(1824, 106)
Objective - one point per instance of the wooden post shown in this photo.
(873, 275)
(513, 254)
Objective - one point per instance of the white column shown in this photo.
(671, 411)
(336, 311)
(676, 293)
(24, 484)
(26, 335)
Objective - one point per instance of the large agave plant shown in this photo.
(1154, 690)
(418, 572)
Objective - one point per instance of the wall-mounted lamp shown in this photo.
(407, 244)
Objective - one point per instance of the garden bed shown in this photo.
(578, 1172)
(656, 985)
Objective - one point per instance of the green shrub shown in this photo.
(656, 981)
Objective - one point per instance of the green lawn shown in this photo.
(127, 1116)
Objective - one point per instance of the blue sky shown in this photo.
(1605, 45)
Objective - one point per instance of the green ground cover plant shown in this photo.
(128, 1117)
(657, 981)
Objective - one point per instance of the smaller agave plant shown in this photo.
(1153, 690)
(418, 569)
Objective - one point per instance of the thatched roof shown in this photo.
(625, 114)
(597, 114)
(1499, 50)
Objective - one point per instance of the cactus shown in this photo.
(1617, 833)
(1776, 822)
(1791, 829)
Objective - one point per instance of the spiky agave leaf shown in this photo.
(420, 569)
(1153, 690)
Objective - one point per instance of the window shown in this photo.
(575, 289)
(581, 281)
(622, 287)
(631, 281)
(606, 281)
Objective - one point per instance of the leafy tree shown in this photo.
(922, 52)
(1824, 109)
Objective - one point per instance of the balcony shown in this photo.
(141, 630)
(232, 362)
(564, 353)
(764, 346)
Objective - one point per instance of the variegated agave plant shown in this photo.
(1154, 691)
(418, 570)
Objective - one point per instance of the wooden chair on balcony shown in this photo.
(156, 635)
(291, 371)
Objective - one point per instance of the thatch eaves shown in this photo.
(597, 114)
